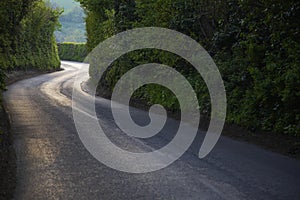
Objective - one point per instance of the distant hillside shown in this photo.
(66, 4)
(72, 21)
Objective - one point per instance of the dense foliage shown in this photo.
(261, 65)
(255, 44)
(27, 39)
(72, 51)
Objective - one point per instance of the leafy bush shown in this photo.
(261, 65)
(72, 51)
(256, 45)
(27, 36)
(28, 40)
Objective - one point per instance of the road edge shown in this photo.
(8, 164)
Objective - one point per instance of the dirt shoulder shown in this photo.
(280, 143)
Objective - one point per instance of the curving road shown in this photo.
(52, 163)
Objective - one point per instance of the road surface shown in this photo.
(52, 163)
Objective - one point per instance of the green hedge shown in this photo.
(255, 45)
(72, 51)
(27, 36)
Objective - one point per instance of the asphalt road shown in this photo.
(52, 163)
